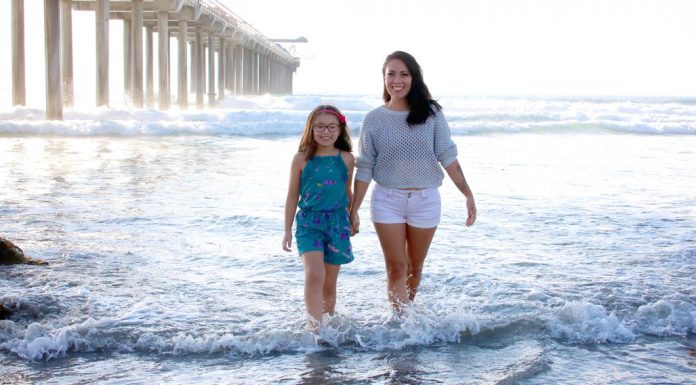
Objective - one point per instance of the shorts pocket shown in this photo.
(431, 195)
(379, 195)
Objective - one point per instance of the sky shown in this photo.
(501, 47)
(465, 47)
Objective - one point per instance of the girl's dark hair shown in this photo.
(309, 146)
(420, 103)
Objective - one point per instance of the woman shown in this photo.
(402, 145)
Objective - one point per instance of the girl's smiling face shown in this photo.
(326, 130)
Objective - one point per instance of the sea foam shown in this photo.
(286, 115)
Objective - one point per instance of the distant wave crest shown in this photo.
(271, 115)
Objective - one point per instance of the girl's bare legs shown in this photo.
(417, 244)
(314, 286)
(392, 238)
(330, 278)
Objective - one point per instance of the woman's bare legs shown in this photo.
(392, 238)
(404, 248)
(417, 244)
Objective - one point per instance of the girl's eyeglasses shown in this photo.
(324, 127)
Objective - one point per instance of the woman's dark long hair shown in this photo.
(420, 103)
(307, 143)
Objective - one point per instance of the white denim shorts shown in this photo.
(417, 208)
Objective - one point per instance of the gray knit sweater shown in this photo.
(397, 155)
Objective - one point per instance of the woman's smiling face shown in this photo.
(397, 79)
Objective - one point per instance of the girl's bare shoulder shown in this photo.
(348, 158)
(299, 160)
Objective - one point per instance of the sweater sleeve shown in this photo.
(445, 148)
(367, 157)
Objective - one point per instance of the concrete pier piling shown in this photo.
(67, 51)
(137, 53)
(211, 69)
(54, 89)
(102, 51)
(163, 46)
(200, 83)
(182, 98)
(247, 62)
(222, 74)
(149, 68)
(18, 66)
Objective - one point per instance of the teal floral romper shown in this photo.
(322, 222)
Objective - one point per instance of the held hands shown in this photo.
(287, 240)
(471, 211)
(354, 223)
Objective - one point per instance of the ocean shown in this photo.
(163, 235)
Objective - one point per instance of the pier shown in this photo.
(247, 62)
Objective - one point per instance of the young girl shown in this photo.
(320, 178)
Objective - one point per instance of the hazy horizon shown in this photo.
(484, 48)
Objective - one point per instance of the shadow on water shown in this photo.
(390, 368)
(404, 368)
(320, 369)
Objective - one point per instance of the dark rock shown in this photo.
(12, 254)
(4, 312)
